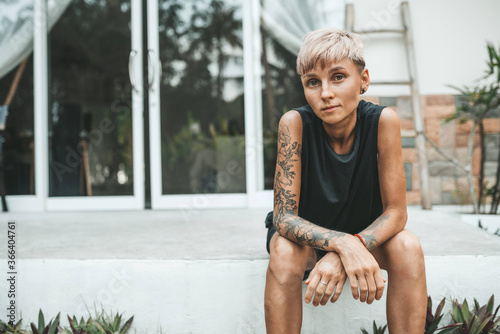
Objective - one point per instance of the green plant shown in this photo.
(102, 324)
(79, 327)
(494, 71)
(477, 102)
(376, 329)
(7, 328)
(432, 320)
(481, 320)
(52, 327)
(474, 105)
(114, 326)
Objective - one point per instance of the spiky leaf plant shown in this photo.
(432, 320)
(480, 320)
(376, 329)
(51, 328)
(100, 325)
(7, 328)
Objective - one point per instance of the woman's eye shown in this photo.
(338, 77)
(313, 83)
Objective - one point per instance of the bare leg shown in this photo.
(403, 259)
(283, 294)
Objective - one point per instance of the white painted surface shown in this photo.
(154, 106)
(41, 112)
(450, 42)
(137, 109)
(253, 101)
(490, 222)
(213, 296)
(25, 203)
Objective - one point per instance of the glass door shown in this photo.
(17, 147)
(196, 104)
(95, 107)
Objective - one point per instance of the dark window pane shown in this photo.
(18, 148)
(202, 110)
(90, 103)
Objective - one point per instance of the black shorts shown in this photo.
(270, 232)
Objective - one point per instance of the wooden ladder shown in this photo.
(419, 133)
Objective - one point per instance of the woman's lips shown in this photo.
(330, 108)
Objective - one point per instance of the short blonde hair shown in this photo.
(329, 44)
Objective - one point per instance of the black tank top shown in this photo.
(340, 192)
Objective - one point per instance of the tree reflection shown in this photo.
(195, 40)
(201, 53)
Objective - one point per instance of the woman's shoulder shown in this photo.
(303, 115)
(369, 108)
(389, 118)
(290, 123)
(290, 117)
(307, 115)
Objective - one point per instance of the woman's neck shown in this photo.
(341, 136)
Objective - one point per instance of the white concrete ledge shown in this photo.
(204, 271)
(213, 296)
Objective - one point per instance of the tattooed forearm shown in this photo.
(369, 233)
(303, 232)
(286, 220)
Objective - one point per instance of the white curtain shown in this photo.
(17, 26)
(289, 20)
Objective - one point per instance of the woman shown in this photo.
(339, 196)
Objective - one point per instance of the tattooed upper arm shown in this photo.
(288, 165)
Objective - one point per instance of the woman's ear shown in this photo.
(365, 80)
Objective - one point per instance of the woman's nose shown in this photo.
(326, 91)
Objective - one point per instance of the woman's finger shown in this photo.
(320, 290)
(338, 289)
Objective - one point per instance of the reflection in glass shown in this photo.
(202, 115)
(90, 103)
(18, 147)
(282, 91)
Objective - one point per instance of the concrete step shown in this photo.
(205, 272)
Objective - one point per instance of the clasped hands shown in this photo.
(330, 273)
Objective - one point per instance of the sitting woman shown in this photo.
(340, 196)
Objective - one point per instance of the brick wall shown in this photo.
(447, 182)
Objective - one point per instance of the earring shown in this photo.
(363, 91)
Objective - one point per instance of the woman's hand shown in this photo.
(361, 267)
(328, 270)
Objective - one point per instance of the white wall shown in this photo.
(450, 42)
(211, 296)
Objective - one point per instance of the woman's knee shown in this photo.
(288, 260)
(406, 241)
(405, 255)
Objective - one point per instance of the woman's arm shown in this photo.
(358, 262)
(287, 190)
(392, 182)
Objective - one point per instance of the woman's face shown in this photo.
(332, 90)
